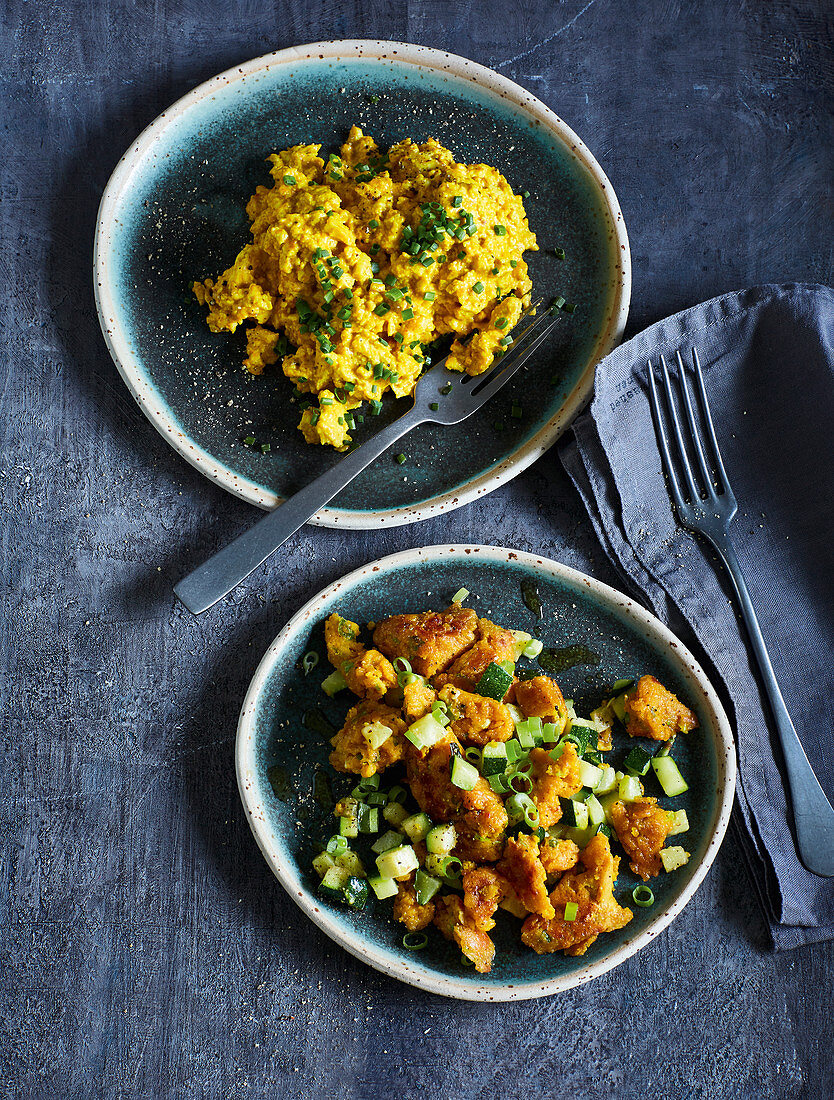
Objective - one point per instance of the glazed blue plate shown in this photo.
(621, 640)
(174, 212)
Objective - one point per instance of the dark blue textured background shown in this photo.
(147, 951)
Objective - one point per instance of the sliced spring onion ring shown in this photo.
(402, 665)
(473, 755)
(571, 911)
(440, 712)
(415, 941)
(309, 662)
(460, 595)
(397, 794)
(337, 845)
(520, 783)
(643, 896)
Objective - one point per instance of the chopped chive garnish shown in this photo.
(478, 287)
(373, 224)
(427, 261)
(447, 388)
(249, 441)
(376, 408)
(516, 411)
(500, 230)
(265, 448)
(415, 941)
(559, 253)
(434, 406)
(513, 263)
(314, 416)
(571, 911)
(501, 322)
(429, 296)
(381, 309)
(457, 201)
(408, 314)
(400, 459)
(525, 194)
(569, 307)
(498, 425)
(398, 336)
(289, 180)
(326, 401)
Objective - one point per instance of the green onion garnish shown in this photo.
(249, 441)
(309, 662)
(337, 845)
(478, 287)
(415, 941)
(571, 911)
(373, 224)
(559, 253)
(516, 412)
(400, 459)
(289, 180)
(643, 896)
(429, 296)
(434, 406)
(266, 448)
(500, 230)
(502, 322)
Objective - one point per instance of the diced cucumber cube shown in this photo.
(576, 813)
(416, 827)
(395, 813)
(607, 782)
(680, 823)
(350, 862)
(425, 887)
(638, 760)
(355, 892)
(630, 788)
(617, 704)
(596, 814)
(674, 857)
(386, 842)
(333, 882)
(669, 776)
(322, 863)
(590, 774)
(348, 827)
(397, 861)
(494, 758)
(441, 839)
(383, 887)
(463, 774)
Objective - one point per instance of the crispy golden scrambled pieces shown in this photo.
(430, 641)
(366, 671)
(408, 911)
(476, 720)
(354, 748)
(642, 827)
(361, 260)
(457, 925)
(533, 876)
(653, 711)
(523, 869)
(552, 780)
(478, 815)
(542, 698)
(590, 886)
(492, 644)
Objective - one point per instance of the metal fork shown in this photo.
(705, 504)
(442, 396)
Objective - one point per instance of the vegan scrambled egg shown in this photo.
(497, 795)
(357, 263)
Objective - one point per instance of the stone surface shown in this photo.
(147, 950)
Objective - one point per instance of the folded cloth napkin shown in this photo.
(768, 360)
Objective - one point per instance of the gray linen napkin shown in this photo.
(768, 359)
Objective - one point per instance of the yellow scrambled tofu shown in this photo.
(359, 262)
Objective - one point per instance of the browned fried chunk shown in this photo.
(366, 671)
(452, 920)
(478, 815)
(494, 643)
(430, 641)
(353, 750)
(523, 869)
(418, 698)
(407, 910)
(641, 827)
(483, 892)
(558, 856)
(542, 698)
(590, 885)
(477, 720)
(652, 711)
(552, 780)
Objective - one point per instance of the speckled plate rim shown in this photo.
(160, 415)
(382, 959)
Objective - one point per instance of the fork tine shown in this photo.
(671, 473)
(676, 424)
(703, 467)
(702, 391)
(496, 379)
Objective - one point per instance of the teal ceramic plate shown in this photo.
(623, 640)
(174, 212)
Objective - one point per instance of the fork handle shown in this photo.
(222, 572)
(812, 812)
